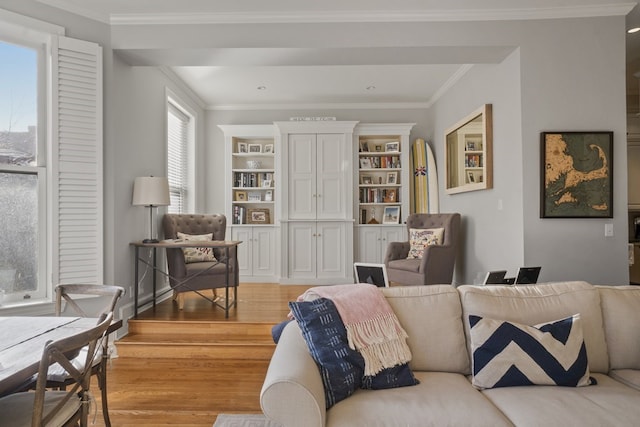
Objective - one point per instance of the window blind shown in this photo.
(177, 140)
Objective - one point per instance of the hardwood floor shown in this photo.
(183, 368)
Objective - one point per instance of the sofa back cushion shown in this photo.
(621, 313)
(536, 304)
(432, 317)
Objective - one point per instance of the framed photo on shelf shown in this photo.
(254, 197)
(365, 163)
(366, 179)
(268, 148)
(390, 196)
(392, 177)
(258, 216)
(471, 177)
(364, 146)
(268, 196)
(391, 215)
(255, 148)
(471, 146)
(378, 147)
(242, 147)
(576, 174)
(240, 196)
(392, 146)
(266, 183)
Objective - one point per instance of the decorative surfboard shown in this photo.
(425, 178)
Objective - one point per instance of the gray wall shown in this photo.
(492, 237)
(567, 75)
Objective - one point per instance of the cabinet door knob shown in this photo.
(314, 234)
(319, 234)
(314, 195)
(319, 195)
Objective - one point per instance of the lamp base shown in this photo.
(150, 241)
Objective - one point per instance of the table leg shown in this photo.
(226, 287)
(136, 283)
(155, 265)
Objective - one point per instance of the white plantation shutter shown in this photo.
(177, 140)
(76, 162)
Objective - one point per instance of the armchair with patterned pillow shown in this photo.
(429, 256)
(205, 268)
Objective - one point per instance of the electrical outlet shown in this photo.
(608, 230)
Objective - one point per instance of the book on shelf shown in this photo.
(378, 195)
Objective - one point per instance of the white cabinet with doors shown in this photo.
(316, 209)
(257, 255)
(373, 241)
(317, 250)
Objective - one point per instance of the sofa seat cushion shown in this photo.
(410, 265)
(609, 403)
(630, 377)
(536, 304)
(441, 399)
(432, 318)
(621, 319)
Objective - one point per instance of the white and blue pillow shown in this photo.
(341, 367)
(511, 354)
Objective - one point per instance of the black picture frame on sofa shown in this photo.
(374, 274)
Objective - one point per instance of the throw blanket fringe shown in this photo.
(372, 327)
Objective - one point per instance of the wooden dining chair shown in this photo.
(105, 299)
(57, 407)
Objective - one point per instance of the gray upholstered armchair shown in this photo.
(204, 276)
(437, 262)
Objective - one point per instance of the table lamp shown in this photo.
(150, 191)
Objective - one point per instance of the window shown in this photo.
(51, 196)
(21, 179)
(179, 141)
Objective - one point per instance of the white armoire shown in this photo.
(316, 201)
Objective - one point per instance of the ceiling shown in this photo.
(335, 78)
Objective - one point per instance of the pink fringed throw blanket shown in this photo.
(372, 327)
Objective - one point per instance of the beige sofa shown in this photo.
(292, 394)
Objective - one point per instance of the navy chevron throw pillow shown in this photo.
(511, 354)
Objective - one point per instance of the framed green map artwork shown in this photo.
(577, 175)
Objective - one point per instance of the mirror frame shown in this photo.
(487, 153)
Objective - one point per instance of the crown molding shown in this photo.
(266, 17)
(358, 16)
(70, 7)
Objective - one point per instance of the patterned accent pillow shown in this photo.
(197, 254)
(419, 238)
(341, 368)
(511, 354)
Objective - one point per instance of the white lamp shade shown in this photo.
(151, 191)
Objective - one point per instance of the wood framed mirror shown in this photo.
(468, 153)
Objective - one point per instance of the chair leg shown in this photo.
(180, 300)
(102, 384)
(214, 293)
